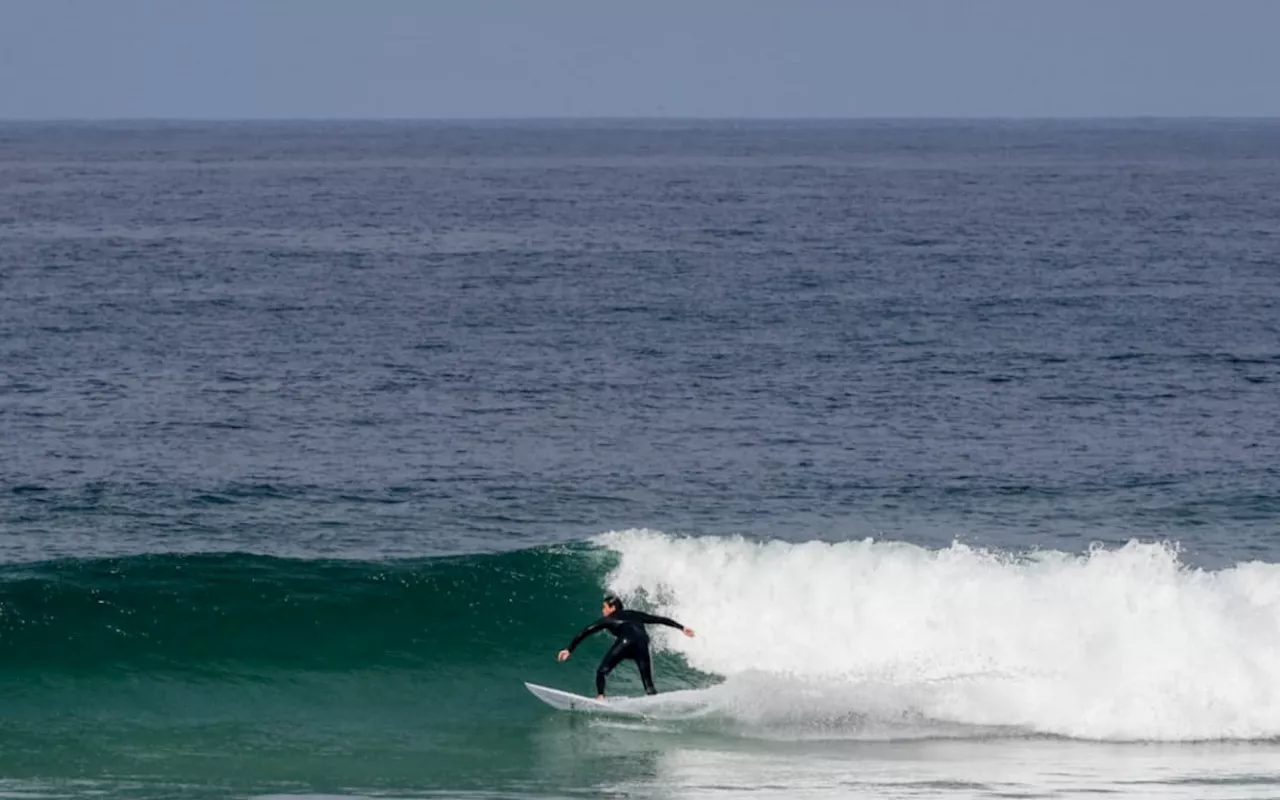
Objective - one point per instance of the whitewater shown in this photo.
(875, 639)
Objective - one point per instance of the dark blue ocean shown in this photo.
(957, 442)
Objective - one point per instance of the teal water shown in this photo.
(212, 674)
(954, 441)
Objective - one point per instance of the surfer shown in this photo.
(631, 641)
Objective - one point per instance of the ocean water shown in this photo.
(957, 442)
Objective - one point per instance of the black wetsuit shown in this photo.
(632, 642)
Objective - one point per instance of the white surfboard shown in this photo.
(675, 705)
(568, 701)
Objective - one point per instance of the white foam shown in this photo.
(1115, 644)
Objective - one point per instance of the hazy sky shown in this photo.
(703, 58)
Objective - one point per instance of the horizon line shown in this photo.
(648, 119)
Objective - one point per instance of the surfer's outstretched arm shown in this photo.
(594, 627)
(653, 619)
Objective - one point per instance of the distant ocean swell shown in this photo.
(851, 639)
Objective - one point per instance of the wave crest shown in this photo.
(1120, 644)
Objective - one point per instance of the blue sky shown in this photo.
(93, 59)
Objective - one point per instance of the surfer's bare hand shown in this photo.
(564, 656)
(688, 632)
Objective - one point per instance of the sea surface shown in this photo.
(958, 443)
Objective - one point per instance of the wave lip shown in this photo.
(1120, 644)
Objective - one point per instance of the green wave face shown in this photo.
(231, 614)
(247, 670)
(189, 641)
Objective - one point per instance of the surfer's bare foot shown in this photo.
(599, 697)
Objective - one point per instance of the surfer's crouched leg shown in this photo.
(611, 659)
(641, 656)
